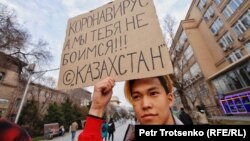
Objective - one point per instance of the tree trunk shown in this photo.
(183, 99)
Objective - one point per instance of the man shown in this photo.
(12, 132)
(185, 118)
(111, 129)
(74, 127)
(151, 99)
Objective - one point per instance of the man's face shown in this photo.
(150, 102)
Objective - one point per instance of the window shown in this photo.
(235, 79)
(178, 48)
(231, 7)
(18, 102)
(195, 69)
(244, 73)
(216, 26)
(186, 76)
(217, 86)
(183, 38)
(201, 4)
(247, 46)
(180, 64)
(225, 41)
(2, 74)
(242, 24)
(217, 2)
(188, 53)
(209, 13)
(234, 56)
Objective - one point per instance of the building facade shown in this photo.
(213, 43)
(12, 88)
(45, 96)
(10, 68)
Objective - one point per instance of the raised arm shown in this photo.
(102, 94)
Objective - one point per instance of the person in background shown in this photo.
(104, 130)
(111, 129)
(151, 98)
(12, 132)
(61, 130)
(74, 127)
(185, 118)
(201, 116)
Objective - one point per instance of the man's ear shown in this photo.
(170, 98)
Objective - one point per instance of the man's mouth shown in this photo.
(148, 116)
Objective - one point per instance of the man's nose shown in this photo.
(146, 103)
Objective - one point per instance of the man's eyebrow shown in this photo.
(135, 92)
(150, 89)
(153, 88)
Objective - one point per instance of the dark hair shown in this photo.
(161, 79)
(165, 81)
(182, 109)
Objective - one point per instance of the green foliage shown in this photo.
(68, 112)
(31, 119)
(54, 114)
(64, 114)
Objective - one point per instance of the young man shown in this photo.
(151, 99)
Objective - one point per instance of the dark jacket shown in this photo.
(185, 118)
(111, 127)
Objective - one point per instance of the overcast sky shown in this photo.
(47, 19)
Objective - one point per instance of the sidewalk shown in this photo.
(230, 120)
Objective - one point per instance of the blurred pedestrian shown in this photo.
(185, 118)
(61, 130)
(104, 130)
(12, 132)
(74, 127)
(111, 129)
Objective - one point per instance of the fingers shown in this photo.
(105, 86)
(109, 83)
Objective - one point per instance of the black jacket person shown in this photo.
(185, 118)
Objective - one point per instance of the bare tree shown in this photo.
(15, 41)
(12, 36)
(110, 110)
(47, 81)
(178, 81)
(124, 112)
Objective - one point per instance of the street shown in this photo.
(118, 135)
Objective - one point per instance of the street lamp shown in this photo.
(31, 68)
